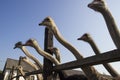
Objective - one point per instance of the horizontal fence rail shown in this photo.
(107, 57)
(110, 56)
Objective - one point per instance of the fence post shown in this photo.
(48, 42)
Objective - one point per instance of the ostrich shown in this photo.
(90, 72)
(100, 6)
(87, 38)
(25, 59)
(27, 53)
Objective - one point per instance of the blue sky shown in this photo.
(19, 21)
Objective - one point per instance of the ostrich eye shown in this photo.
(47, 19)
(19, 43)
(29, 41)
(97, 0)
(86, 35)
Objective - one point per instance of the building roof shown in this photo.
(12, 62)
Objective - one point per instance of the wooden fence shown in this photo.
(107, 57)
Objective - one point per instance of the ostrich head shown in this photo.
(30, 42)
(54, 49)
(48, 22)
(21, 57)
(86, 37)
(18, 45)
(98, 5)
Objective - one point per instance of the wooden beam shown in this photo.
(34, 72)
(106, 57)
(47, 73)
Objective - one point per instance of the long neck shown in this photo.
(112, 27)
(66, 44)
(20, 68)
(90, 72)
(33, 66)
(57, 55)
(61, 73)
(109, 68)
(94, 47)
(45, 54)
(27, 53)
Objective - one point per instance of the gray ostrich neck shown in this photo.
(33, 66)
(112, 27)
(109, 68)
(46, 55)
(60, 38)
(94, 46)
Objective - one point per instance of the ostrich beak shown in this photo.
(79, 39)
(15, 47)
(40, 24)
(90, 5)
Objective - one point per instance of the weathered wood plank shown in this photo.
(34, 72)
(107, 57)
(47, 73)
(110, 56)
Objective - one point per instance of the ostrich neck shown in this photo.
(112, 27)
(94, 46)
(57, 55)
(33, 66)
(90, 72)
(20, 68)
(45, 54)
(32, 57)
(66, 44)
(109, 68)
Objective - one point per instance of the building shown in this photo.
(10, 69)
